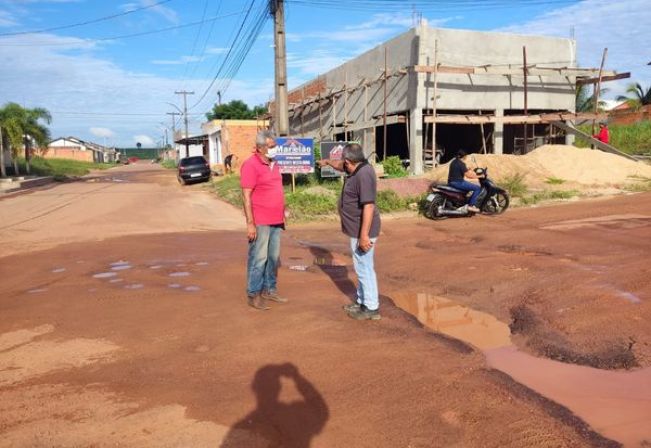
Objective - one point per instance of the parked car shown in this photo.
(193, 169)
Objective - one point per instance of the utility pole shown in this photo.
(174, 114)
(219, 97)
(281, 118)
(185, 94)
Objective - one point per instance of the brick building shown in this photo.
(235, 137)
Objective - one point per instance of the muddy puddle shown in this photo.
(616, 404)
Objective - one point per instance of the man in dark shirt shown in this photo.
(228, 163)
(457, 179)
(360, 221)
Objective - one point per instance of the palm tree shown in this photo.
(638, 96)
(21, 127)
(585, 101)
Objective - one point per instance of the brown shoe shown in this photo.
(258, 302)
(274, 297)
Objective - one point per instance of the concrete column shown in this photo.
(418, 103)
(498, 134)
(570, 138)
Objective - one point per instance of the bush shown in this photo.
(514, 185)
(61, 168)
(548, 195)
(393, 167)
(555, 181)
(169, 164)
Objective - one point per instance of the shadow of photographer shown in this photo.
(279, 424)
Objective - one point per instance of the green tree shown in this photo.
(235, 110)
(21, 128)
(585, 101)
(638, 96)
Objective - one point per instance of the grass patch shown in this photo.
(514, 185)
(311, 201)
(555, 181)
(169, 164)
(393, 167)
(61, 168)
(631, 138)
(548, 195)
(639, 184)
(228, 188)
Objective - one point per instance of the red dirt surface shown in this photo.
(166, 353)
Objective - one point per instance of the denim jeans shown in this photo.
(367, 292)
(464, 185)
(262, 263)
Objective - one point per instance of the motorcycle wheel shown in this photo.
(497, 204)
(432, 210)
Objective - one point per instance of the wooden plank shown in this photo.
(513, 119)
(597, 143)
(585, 81)
(507, 71)
(391, 119)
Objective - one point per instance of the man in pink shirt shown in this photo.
(264, 207)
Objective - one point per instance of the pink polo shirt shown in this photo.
(268, 197)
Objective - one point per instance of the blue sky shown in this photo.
(91, 83)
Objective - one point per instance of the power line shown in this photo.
(203, 95)
(196, 39)
(123, 36)
(87, 22)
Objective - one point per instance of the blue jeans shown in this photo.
(367, 292)
(262, 263)
(464, 185)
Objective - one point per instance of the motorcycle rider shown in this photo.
(457, 176)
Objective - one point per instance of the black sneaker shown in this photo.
(352, 307)
(364, 314)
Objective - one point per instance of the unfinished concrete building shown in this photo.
(460, 89)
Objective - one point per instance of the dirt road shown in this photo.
(139, 198)
(145, 340)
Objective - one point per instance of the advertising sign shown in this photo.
(295, 155)
(332, 151)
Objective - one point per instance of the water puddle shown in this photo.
(119, 263)
(192, 288)
(174, 285)
(58, 270)
(105, 275)
(179, 274)
(156, 266)
(134, 286)
(201, 263)
(626, 221)
(121, 267)
(36, 290)
(116, 280)
(615, 403)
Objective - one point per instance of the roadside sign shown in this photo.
(332, 151)
(295, 155)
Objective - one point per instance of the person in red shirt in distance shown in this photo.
(264, 208)
(603, 135)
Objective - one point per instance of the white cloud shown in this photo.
(7, 19)
(102, 132)
(622, 27)
(145, 140)
(216, 50)
(182, 60)
(82, 90)
(167, 13)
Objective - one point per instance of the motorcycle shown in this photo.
(445, 201)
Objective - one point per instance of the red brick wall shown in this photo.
(68, 153)
(297, 95)
(627, 116)
(240, 141)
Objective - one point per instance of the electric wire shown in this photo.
(87, 22)
(123, 36)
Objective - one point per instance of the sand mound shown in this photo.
(575, 165)
(587, 166)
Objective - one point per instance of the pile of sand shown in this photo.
(572, 164)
